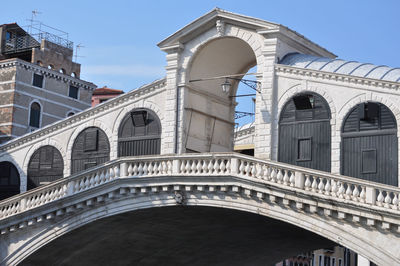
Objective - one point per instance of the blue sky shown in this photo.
(120, 37)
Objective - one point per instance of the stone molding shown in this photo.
(16, 62)
(347, 79)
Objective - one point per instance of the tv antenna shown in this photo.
(77, 48)
(32, 20)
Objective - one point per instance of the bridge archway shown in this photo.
(9, 180)
(305, 132)
(91, 147)
(369, 143)
(209, 112)
(180, 236)
(45, 165)
(139, 133)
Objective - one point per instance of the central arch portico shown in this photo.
(227, 181)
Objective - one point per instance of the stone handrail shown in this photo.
(280, 175)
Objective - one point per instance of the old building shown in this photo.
(39, 82)
(100, 95)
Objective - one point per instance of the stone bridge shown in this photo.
(361, 215)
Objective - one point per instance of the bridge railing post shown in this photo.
(234, 166)
(370, 195)
(299, 180)
(176, 165)
(123, 171)
(70, 188)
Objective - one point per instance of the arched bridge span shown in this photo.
(360, 215)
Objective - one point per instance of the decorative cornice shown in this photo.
(361, 81)
(244, 132)
(142, 91)
(16, 62)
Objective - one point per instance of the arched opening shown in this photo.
(305, 132)
(180, 236)
(34, 115)
(139, 134)
(369, 144)
(70, 114)
(46, 165)
(91, 147)
(62, 71)
(9, 180)
(209, 111)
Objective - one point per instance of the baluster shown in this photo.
(259, 171)
(356, 193)
(169, 167)
(228, 166)
(292, 179)
(380, 198)
(92, 180)
(327, 187)
(130, 169)
(279, 177)
(307, 183)
(341, 190)
(253, 170)
(112, 173)
(183, 166)
(241, 167)
(216, 166)
(210, 167)
(116, 171)
(388, 199)
(363, 194)
(321, 185)
(150, 169)
(395, 202)
(194, 168)
(222, 166)
(273, 175)
(204, 167)
(268, 173)
(187, 167)
(198, 167)
(286, 178)
(140, 169)
(159, 168)
(348, 192)
(334, 187)
(164, 168)
(81, 185)
(247, 169)
(145, 171)
(314, 184)
(135, 169)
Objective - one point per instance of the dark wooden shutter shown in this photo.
(369, 147)
(91, 147)
(37, 80)
(305, 132)
(137, 137)
(9, 180)
(46, 165)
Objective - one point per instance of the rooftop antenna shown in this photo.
(78, 47)
(32, 20)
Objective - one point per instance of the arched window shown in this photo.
(34, 119)
(9, 180)
(91, 148)
(305, 132)
(369, 144)
(139, 134)
(46, 165)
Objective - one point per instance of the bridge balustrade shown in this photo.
(336, 187)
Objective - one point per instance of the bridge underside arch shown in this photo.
(180, 235)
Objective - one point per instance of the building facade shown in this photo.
(39, 82)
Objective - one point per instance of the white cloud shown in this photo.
(124, 70)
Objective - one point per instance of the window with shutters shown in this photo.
(73, 92)
(34, 119)
(37, 80)
(368, 161)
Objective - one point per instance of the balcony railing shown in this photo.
(283, 176)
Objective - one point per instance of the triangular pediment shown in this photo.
(207, 21)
